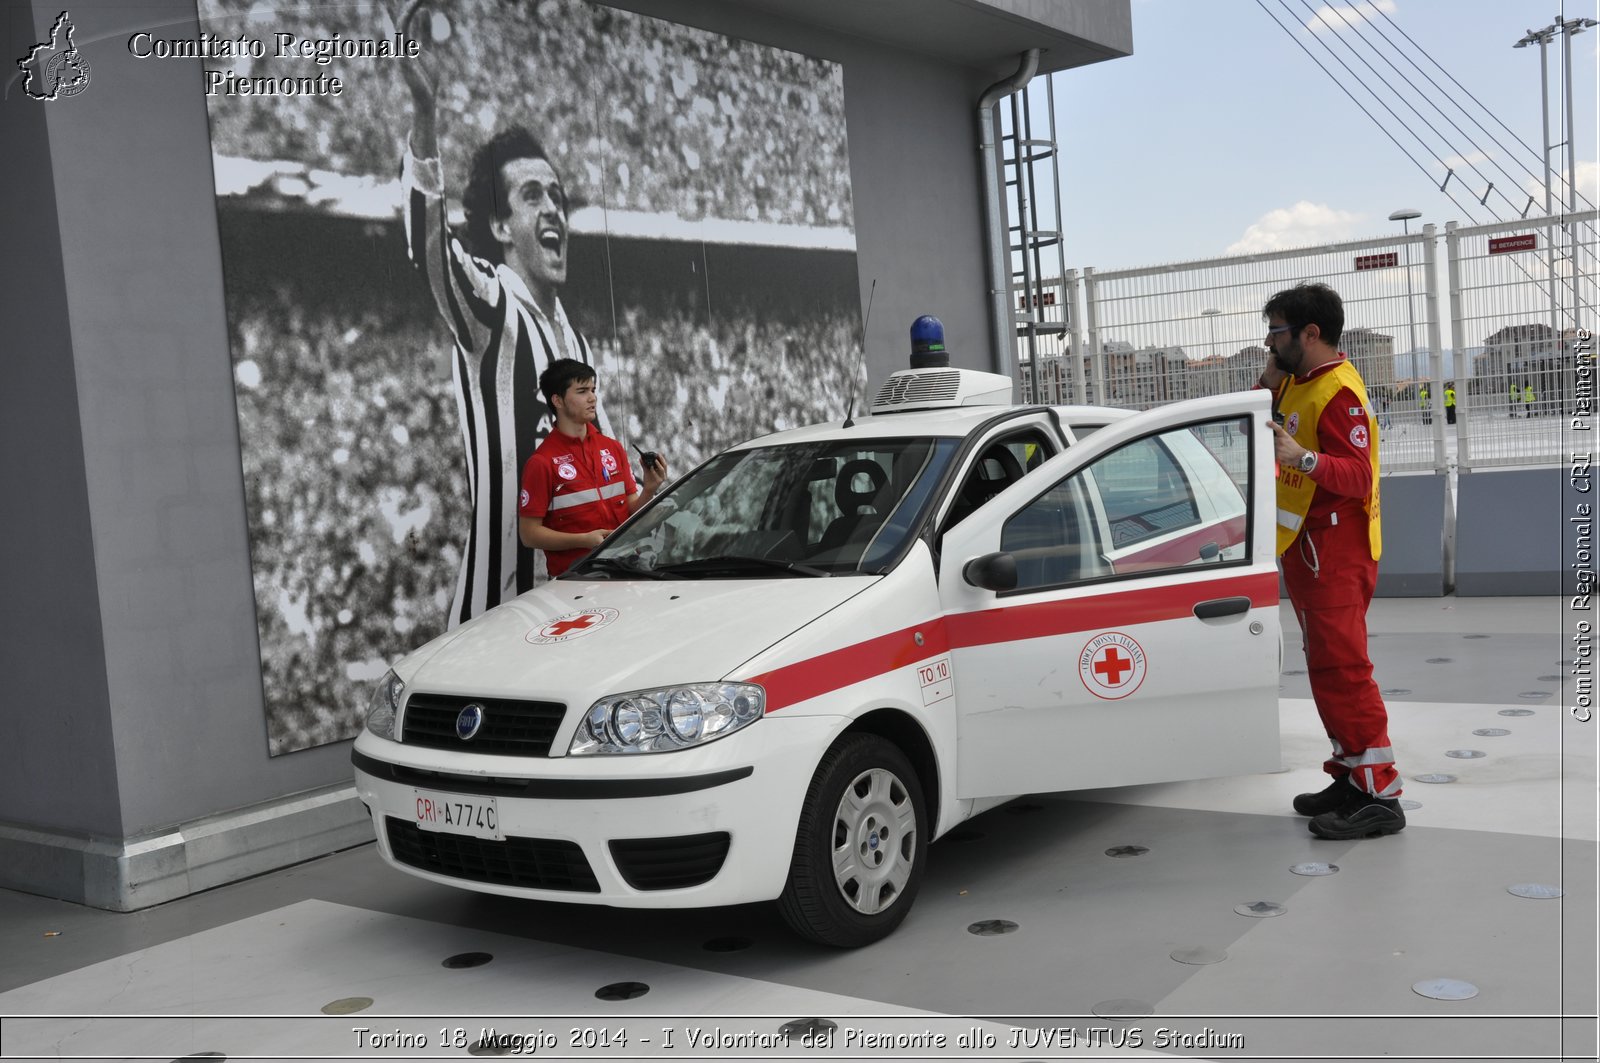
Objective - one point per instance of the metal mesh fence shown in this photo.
(1166, 333)
(1517, 305)
(1161, 334)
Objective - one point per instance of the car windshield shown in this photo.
(803, 509)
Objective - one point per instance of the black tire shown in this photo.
(885, 822)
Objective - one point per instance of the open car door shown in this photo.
(1113, 615)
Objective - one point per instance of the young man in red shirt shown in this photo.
(577, 487)
(1329, 540)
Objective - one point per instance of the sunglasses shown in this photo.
(1278, 329)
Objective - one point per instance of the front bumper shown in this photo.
(690, 828)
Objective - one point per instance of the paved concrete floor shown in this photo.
(1177, 950)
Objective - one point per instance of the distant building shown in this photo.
(1143, 377)
(1217, 374)
(1372, 353)
(1534, 355)
(1516, 349)
(1049, 382)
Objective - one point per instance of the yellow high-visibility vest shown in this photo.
(1302, 406)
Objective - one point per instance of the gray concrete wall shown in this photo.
(1414, 531)
(138, 238)
(55, 708)
(1514, 533)
(1105, 22)
(129, 636)
(134, 709)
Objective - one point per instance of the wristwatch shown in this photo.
(1308, 461)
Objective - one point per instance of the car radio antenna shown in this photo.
(872, 292)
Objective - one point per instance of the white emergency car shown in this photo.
(822, 649)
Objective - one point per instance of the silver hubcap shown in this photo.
(874, 841)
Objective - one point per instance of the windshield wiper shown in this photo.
(741, 563)
(625, 565)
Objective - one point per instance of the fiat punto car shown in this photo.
(822, 649)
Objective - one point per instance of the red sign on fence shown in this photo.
(1379, 261)
(1526, 242)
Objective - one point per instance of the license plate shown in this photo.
(474, 817)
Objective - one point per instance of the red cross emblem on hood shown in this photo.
(572, 625)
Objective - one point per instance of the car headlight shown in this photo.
(656, 721)
(385, 706)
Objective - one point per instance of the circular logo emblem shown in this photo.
(566, 470)
(1111, 665)
(607, 462)
(468, 721)
(572, 625)
(522, 499)
(1292, 425)
(1358, 435)
(67, 73)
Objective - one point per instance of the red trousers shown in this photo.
(1331, 575)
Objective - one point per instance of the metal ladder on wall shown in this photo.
(1041, 314)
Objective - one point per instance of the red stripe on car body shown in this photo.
(856, 663)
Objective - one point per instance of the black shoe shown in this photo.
(1365, 817)
(1334, 797)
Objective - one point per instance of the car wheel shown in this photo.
(860, 846)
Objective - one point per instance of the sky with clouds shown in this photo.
(1220, 135)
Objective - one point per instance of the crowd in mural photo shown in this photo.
(357, 489)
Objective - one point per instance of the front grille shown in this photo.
(530, 863)
(670, 863)
(521, 728)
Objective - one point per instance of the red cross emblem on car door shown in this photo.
(1112, 665)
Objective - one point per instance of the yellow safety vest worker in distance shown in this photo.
(1301, 405)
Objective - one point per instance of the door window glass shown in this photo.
(1145, 492)
(1156, 504)
(1001, 463)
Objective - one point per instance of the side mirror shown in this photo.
(992, 572)
(1210, 552)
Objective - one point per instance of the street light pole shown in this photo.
(1404, 216)
(1542, 38)
(1568, 28)
(1210, 314)
(1571, 27)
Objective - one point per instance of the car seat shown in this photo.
(992, 473)
(854, 503)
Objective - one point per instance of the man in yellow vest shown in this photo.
(1450, 403)
(1329, 541)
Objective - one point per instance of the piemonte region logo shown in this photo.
(55, 68)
